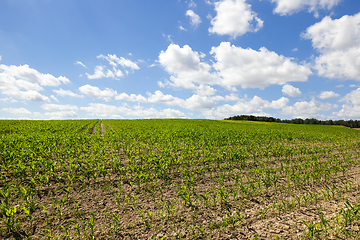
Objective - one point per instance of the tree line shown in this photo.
(346, 123)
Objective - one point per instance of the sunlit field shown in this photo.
(178, 179)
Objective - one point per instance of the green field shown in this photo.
(178, 179)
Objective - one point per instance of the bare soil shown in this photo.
(102, 129)
(93, 130)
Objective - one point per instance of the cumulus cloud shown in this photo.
(288, 7)
(31, 75)
(54, 98)
(59, 111)
(338, 41)
(23, 82)
(195, 102)
(234, 18)
(186, 68)
(14, 92)
(64, 93)
(95, 92)
(59, 107)
(352, 98)
(61, 114)
(328, 94)
(351, 108)
(17, 111)
(131, 97)
(109, 111)
(348, 112)
(257, 69)
(195, 19)
(343, 65)
(307, 109)
(102, 72)
(255, 106)
(291, 91)
(115, 61)
(7, 99)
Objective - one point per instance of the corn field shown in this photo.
(178, 179)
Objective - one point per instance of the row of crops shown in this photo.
(178, 179)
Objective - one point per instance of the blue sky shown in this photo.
(75, 59)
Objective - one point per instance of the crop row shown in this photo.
(173, 179)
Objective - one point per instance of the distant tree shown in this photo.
(350, 123)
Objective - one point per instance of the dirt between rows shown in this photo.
(92, 131)
(102, 129)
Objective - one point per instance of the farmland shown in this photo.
(178, 179)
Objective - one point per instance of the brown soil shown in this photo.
(102, 129)
(93, 129)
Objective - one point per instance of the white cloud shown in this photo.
(348, 112)
(31, 75)
(195, 102)
(291, 91)
(15, 79)
(255, 106)
(100, 72)
(59, 107)
(192, 4)
(234, 18)
(95, 92)
(328, 94)
(17, 111)
(256, 69)
(307, 109)
(114, 61)
(7, 99)
(337, 34)
(20, 83)
(340, 64)
(351, 108)
(352, 98)
(338, 41)
(186, 68)
(61, 114)
(182, 28)
(159, 97)
(132, 97)
(194, 18)
(288, 7)
(13, 92)
(54, 98)
(64, 93)
(80, 63)
(107, 111)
